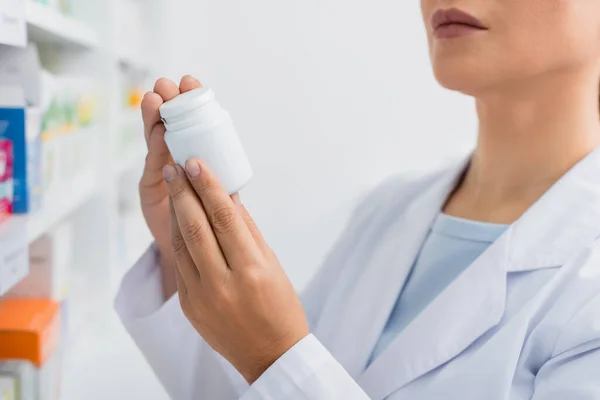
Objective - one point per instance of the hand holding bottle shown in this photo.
(153, 191)
(231, 286)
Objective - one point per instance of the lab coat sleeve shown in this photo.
(190, 370)
(306, 372)
(574, 370)
(183, 362)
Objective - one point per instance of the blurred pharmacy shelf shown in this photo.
(19, 231)
(58, 207)
(132, 158)
(84, 186)
(96, 52)
(46, 25)
(134, 60)
(132, 146)
(116, 371)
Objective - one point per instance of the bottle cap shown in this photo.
(186, 102)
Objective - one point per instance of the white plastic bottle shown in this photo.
(197, 127)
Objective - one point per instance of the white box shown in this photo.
(14, 257)
(49, 259)
(13, 28)
(7, 388)
(23, 374)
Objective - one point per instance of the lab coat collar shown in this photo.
(561, 222)
(556, 227)
(434, 336)
(360, 321)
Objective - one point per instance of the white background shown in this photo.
(330, 98)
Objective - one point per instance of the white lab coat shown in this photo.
(522, 322)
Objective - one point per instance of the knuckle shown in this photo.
(177, 190)
(147, 99)
(223, 218)
(149, 166)
(193, 231)
(220, 295)
(222, 300)
(254, 277)
(178, 243)
(203, 186)
(151, 192)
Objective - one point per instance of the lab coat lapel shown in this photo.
(363, 316)
(470, 306)
(562, 222)
(554, 230)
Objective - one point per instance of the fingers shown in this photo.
(256, 234)
(194, 227)
(253, 228)
(166, 89)
(150, 112)
(224, 217)
(152, 188)
(188, 83)
(186, 269)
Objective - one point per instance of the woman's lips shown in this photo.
(453, 23)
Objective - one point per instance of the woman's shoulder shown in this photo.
(398, 190)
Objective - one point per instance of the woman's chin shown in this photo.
(459, 81)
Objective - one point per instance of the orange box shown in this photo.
(29, 329)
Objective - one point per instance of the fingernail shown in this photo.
(169, 172)
(192, 168)
(190, 77)
(236, 199)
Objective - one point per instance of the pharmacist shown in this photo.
(481, 281)
(521, 319)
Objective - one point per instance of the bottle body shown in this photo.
(205, 131)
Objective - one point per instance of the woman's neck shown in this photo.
(529, 136)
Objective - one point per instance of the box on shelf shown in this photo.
(14, 265)
(12, 130)
(34, 158)
(14, 257)
(13, 28)
(30, 334)
(50, 258)
(7, 388)
(6, 178)
(46, 118)
(20, 86)
(25, 186)
(68, 138)
(23, 374)
(21, 67)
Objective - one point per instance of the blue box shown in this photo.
(12, 127)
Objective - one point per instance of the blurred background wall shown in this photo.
(330, 97)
